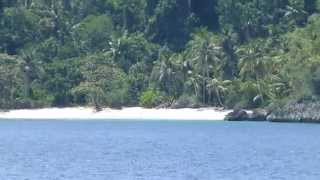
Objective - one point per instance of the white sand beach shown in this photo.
(134, 113)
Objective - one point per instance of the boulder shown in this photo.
(296, 112)
(186, 102)
(164, 105)
(258, 115)
(237, 115)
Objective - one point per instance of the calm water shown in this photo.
(98, 150)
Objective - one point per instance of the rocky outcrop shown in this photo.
(164, 105)
(297, 112)
(258, 115)
(237, 115)
(243, 115)
(305, 112)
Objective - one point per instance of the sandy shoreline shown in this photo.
(134, 113)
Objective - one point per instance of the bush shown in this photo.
(21, 104)
(150, 98)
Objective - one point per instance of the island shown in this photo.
(192, 54)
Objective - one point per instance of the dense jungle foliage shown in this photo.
(243, 53)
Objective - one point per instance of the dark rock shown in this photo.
(296, 112)
(186, 102)
(237, 115)
(164, 105)
(258, 115)
(117, 106)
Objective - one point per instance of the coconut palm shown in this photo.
(218, 87)
(10, 79)
(167, 74)
(253, 64)
(205, 55)
(193, 84)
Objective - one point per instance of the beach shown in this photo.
(132, 113)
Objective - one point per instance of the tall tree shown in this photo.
(254, 64)
(206, 58)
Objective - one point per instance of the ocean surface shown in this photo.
(158, 150)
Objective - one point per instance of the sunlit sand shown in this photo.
(134, 113)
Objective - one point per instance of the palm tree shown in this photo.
(218, 87)
(193, 83)
(168, 75)
(205, 57)
(10, 78)
(253, 64)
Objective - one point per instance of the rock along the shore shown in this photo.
(243, 115)
(297, 112)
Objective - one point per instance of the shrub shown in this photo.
(150, 98)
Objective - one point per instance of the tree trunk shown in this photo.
(124, 19)
(219, 98)
(27, 88)
(96, 104)
(67, 5)
(204, 78)
(210, 97)
(190, 5)
(28, 3)
(1, 9)
(260, 91)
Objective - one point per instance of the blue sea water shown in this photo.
(158, 150)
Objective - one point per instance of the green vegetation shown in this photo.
(150, 98)
(245, 53)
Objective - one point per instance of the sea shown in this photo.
(158, 150)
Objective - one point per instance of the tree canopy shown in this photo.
(245, 53)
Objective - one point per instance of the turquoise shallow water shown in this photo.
(106, 150)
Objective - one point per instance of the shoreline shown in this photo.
(128, 113)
